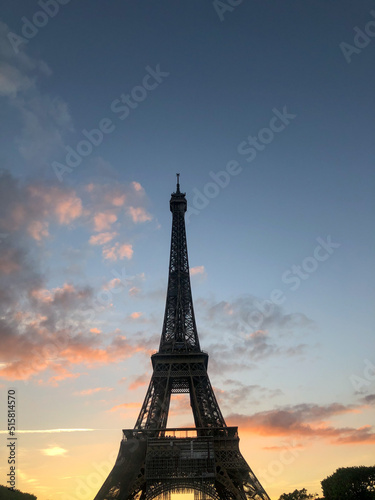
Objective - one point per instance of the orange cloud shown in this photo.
(139, 214)
(104, 220)
(88, 392)
(95, 330)
(125, 405)
(102, 238)
(136, 315)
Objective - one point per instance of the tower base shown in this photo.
(207, 461)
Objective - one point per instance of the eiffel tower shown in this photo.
(154, 460)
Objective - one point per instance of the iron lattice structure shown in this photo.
(154, 460)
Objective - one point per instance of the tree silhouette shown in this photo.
(297, 495)
(350, 483)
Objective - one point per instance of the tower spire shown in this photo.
(179, 328)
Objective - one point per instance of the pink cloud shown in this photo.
(65, 204)
(95, 330)
(63, 376)
(125, 405)
(138, 214)
(114, 283)
(68, 208)
(136, 186)
(118, 201)
(103, 221)
(118, 251)
(197, 270)
(102, 238)
(38, 229)
(42, 295)
(88, 392)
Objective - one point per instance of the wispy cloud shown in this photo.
(140, 381)
(49, 431)
(125, 406)
(54, 451)
(88, 392)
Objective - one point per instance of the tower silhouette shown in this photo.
(155, 460)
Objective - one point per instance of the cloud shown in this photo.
(103, 221)
(242, 342)
(369, 399)
(48, 332)
(138, 214)
(88, 392)
(45, 120)
(137, 187)
(118, 251)
(197, 270)
(304, 421)
(102, 238)
(135, 315)
(10, 261)
(38, 229)
(139, 382)
(54, 451)
(34, 206)
(126, 405)
(240, 394)
(47, 431)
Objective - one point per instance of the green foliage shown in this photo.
(296, 495)
(6, 494)
(350, 483)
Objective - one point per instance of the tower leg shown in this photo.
(127, 477)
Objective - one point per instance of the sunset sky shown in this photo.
(266, 109)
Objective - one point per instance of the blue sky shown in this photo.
(271, 76)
